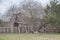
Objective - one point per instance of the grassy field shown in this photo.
(29, 36)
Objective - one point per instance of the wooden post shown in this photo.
(19, 28)
(11, 29)
(4, 29)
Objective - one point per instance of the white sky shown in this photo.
(5, 4)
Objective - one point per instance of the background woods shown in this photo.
(31, 17)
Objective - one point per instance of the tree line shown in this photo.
(50, 23)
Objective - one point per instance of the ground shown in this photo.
(29, 36)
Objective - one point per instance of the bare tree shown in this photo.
(31, 12)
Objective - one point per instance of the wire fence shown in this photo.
(15, 29)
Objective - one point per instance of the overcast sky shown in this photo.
(5, 4)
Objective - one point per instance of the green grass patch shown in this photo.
(29, 36)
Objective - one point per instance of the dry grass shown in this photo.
(29, 36)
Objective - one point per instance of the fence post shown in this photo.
(3, 29)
